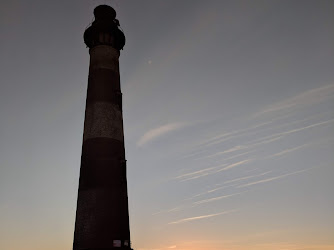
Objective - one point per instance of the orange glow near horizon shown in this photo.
(268, 246)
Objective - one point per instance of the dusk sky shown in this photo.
(228, 119)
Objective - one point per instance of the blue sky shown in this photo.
(228, 116)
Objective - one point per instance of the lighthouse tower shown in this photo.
(102, 218)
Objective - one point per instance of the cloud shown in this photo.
(304, 99)
(287, 151)
(175, 209)
(194, 173)
(231, 150)
(277, 136)
(251, 131)
(223, 187)
(306, 127)
(268, 139)
(216, 198)
(246, 177)
(199, 173)
(158, 132)
(235, 165)
(272, 179)
(225, 159)
(209, 191)
(201, 217)
(210, 171)
(232, 134)
(245, 146)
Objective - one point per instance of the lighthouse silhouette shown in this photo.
(102, 217)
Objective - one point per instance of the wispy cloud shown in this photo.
(246, 177)
(210, 171)
(209, 191)
(235, 165)
(201, 217)
(306, 127)
(175, 209)
(273, 135)
(225, 159)
(231, 150)
(216, 198)
(276, 136)
(304, 99)
(287, 151)
(289, 105)
(249, 145)
(268, 139)
(160, 131)
(199, 172)
(272, 178)
(232, 133)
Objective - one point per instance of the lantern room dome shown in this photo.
(104, 12)
(104, 29)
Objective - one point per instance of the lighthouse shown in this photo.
(102, 217)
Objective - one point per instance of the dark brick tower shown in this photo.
(102, 218)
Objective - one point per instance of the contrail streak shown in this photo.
(194, 173)
(216, 198)
(201, 217)
(271, 179)
(235, 164)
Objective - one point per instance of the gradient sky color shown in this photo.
(228, 117)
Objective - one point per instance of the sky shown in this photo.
(228, 119)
